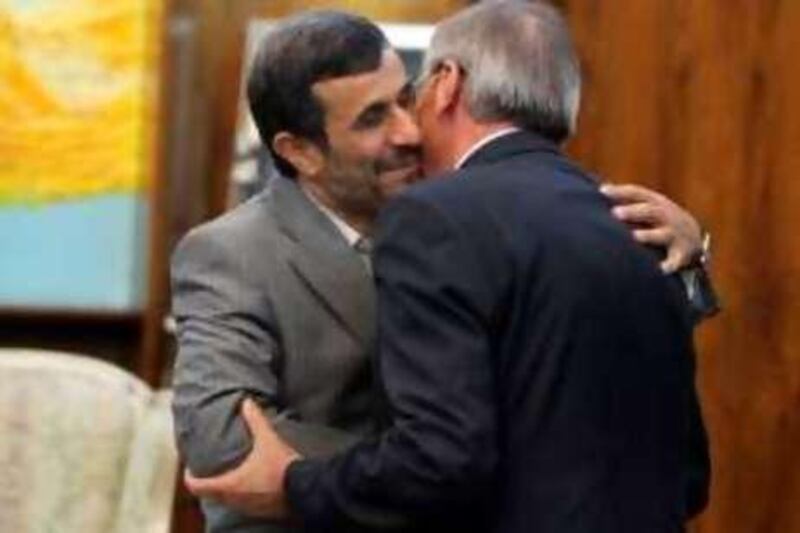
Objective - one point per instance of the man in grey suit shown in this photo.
(272, 300)
(275, 299)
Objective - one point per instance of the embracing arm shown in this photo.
(660, 222)
(438, 458)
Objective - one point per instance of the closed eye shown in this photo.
(406, 97)
(372, 116)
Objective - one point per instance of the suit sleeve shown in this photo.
(227, 348)
(437, 459)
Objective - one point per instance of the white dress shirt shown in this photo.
(483, 142)
(351, 235)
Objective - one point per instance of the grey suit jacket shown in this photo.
(270, 302)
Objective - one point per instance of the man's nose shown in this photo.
(405, 131)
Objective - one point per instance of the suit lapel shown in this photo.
(322, 258)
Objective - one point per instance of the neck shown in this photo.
(470, 134)
(362, 224)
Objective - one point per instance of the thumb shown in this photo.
(258, 424)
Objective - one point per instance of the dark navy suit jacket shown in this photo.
(538, 366)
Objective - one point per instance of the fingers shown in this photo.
(629, 193)
(204, 487)
(658, 221)
(677, 255)
(661, 237)
(189, 480)
(674, 261)
(255, 420)
(254, 486)
(641, 213)
(267, 445)
(226, 488)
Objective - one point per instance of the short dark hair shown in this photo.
(300, 51)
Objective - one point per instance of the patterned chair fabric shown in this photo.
(84, 447)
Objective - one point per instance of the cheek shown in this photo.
(347, 144)
(376, 148)
(429, 167)
(366, 152)
(431, 160)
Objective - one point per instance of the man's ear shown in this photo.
(449, 86)
(303, 154)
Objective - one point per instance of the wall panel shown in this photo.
(699, 99)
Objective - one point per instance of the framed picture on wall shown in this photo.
(78, 127)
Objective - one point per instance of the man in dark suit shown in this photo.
(538, 365)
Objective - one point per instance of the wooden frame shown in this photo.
(142, 325)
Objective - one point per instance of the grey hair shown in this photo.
(520, 65)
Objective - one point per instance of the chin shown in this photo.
(390, 188)
(433, 169)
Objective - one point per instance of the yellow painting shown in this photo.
(78, 97)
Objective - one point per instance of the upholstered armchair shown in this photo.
(85, 447)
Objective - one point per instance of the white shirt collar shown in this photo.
(483, 142)
(350, 234)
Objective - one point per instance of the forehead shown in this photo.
(344, 98)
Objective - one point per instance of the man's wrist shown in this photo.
(293, 463)
(705, 251)
(702, 257)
